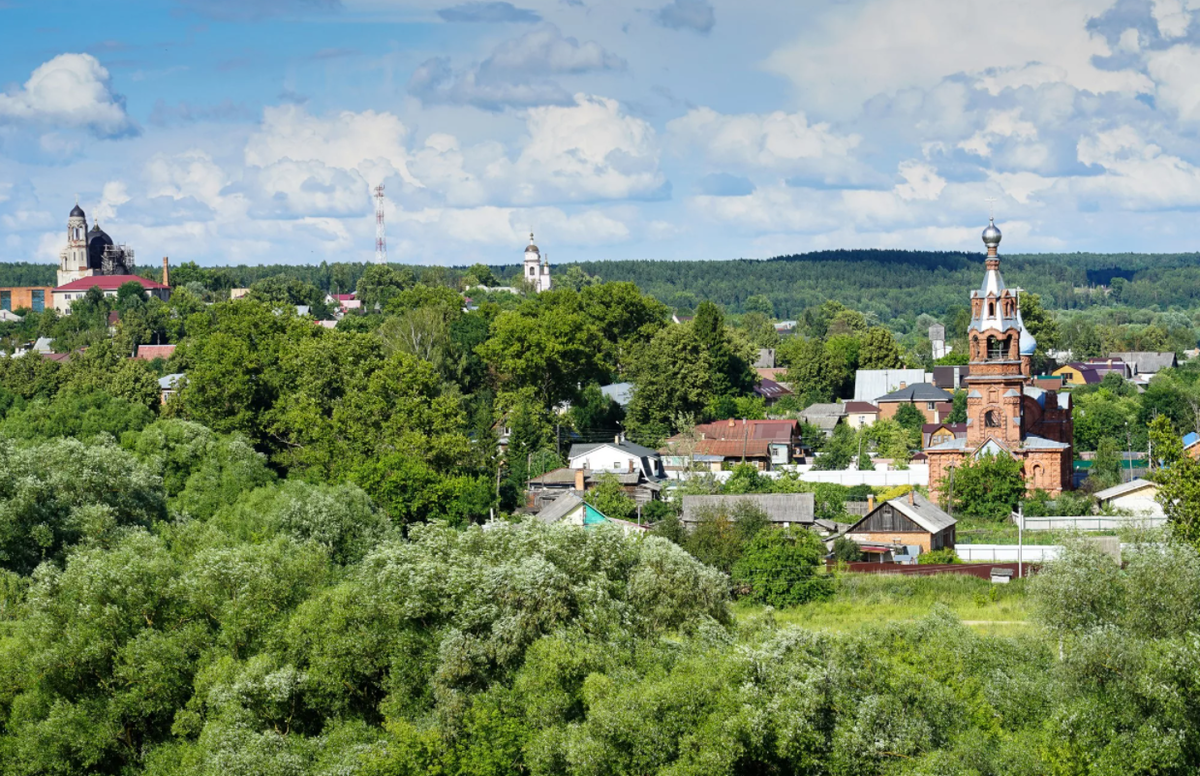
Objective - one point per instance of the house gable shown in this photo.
(885, 518)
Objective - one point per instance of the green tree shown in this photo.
(783, 568)
(958, 413)
(1106, 466)
(1165, 443)
(813, 372)
(722, 532)
(847, 550)
(673, 376)
(838, 450)
(879, 350)
(610, 498)
(379, 283)
(988, 486)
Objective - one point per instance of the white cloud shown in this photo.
(369, 142)
(1000, 124)
(860, 49)
(1137, 174)
(189, 174)
(779, 142)
(546, 50)
(1172, 17)
(1174, 71)
(921, 181)
(69, 91)
(114, 194)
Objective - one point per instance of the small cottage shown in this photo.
(911, 520)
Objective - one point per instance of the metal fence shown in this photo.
(1007, 553)
(1093, 522)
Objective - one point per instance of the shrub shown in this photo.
(847, 550)
(781, 568)
(944, 555)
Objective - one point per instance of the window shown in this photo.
(617, 465)
(6, 300)
(38, 300)
(997, 348)
(991, 309)
(991, 419)
(930, 405)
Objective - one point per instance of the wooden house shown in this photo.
(911, 520)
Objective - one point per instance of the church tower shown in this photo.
(536, 272)
(73, 260)
(1000, 354)
(1006, 414)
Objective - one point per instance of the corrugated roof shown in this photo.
(560, 507)
(780, 507)
(624, 446)
(921, 511)
(918, 392)
(1124, 488)
(870, 384)
(1146, 362)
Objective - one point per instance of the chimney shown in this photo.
(617, 439)
(912, 499)
(871, 502)
(579, 480)
(166, 281)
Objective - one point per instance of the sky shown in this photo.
(253, 131)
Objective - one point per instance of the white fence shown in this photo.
(1093, 522)
(915, 474)
(1007, 553)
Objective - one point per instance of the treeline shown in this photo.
(888, 284)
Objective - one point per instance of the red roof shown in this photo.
(861, 407)
(151, 352)
(777, 430)
(108, 283)
(343, 297)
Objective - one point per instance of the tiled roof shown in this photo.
(107, 283)
(151, 352)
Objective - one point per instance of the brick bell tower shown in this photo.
(1000, 351)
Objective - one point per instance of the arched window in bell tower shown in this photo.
(991, 419)
(997, 348)
(991, 309)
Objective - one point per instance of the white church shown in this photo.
(537, 269)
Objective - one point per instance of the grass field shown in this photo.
(865, 599)
(977, 531)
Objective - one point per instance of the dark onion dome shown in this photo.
(532, 248)
(77, 211)
(96, 231)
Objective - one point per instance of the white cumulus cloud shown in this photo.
(69, 91)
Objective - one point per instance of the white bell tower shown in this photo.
(73, 260)
(536, 272)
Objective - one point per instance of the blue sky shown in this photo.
(251, 131)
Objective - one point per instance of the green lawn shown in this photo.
(865, 599)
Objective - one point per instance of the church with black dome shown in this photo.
(91, 252)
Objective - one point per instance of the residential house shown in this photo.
(237, 293)
(776, 373)
(860, 414)
(770, 391)
(616, 456)
(950, 378)
(571, 509)
(940, 433)
(1077, 373)
(910, 520)
(681, 319)
(1103, 366)
(934, 403)
(783, 510)
(1191, 444)
(1136, 497)
(764, 443)
(621, 393)
(168, 386)
(785, 328)
(1146, 364)
(870, 384)
(43, 345)
(824, 416)
(8, 316)
(151, 352)
(765, 360)
(550, 485)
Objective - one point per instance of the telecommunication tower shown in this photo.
(380, 231)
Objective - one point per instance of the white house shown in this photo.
(1136, 497)
(617, 456)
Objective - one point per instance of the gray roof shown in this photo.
(624, 445)
(918, 392)
(958, 443)
(1124, 488)
(870, 384)
(621, 393)
(780, 507)
(921, 511)
(43, 345)
(168, 382)
(1146, 362)
(559, 508)
(1033, 442)
(832, 410)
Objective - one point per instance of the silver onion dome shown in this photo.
(991, 235)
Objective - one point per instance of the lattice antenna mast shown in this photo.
(380, 230)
